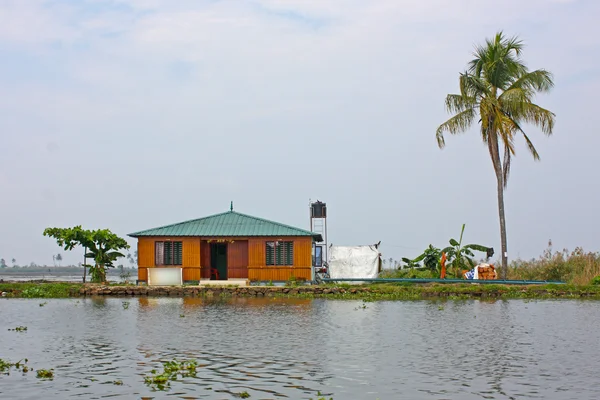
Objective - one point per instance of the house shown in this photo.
(225, 246)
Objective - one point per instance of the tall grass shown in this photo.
(577, 267)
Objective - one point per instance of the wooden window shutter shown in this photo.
(289, 253)
(270, 253)
(177, 253)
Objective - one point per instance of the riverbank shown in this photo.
(371, 292)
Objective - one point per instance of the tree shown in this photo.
(3, 263)
(102, 246)
(14, 262)
(59, 258)
(499, 89)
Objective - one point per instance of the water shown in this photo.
(293, 348)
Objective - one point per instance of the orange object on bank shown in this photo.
(443, 263)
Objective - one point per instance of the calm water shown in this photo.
(275, 348)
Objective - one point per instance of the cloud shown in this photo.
(268, 99)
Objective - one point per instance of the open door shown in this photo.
(218, 261)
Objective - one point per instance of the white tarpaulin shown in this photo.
(354, 262)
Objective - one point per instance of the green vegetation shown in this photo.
(20, 366)
(497, 91)
(19, 329)
(40, 290)
(100, 245)
(577, 267)
(243, 395)
(458, 257)
(45, 374)
(172, 370)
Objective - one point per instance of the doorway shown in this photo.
(218, 261)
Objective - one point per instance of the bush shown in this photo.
(596, 280)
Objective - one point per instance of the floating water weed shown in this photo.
(43, 304)
(243, 395)
(45, 373)
(20, 366)
(19, 329)
(125, 305)
(171, 371)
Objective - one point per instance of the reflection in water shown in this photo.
(274, 348)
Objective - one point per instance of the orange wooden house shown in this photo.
(225, 246)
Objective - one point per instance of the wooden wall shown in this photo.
(245, 259)
(237, 259)
(302, 268)
(191, 255)
(205, 259)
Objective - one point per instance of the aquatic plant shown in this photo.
(43, 304)
(20, 366)
(19, 329)
(125, 305)
(39, 290)
(596, 280)
(243, 395)
(45, 374)
(172, 370)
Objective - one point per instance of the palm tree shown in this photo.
(499, 89)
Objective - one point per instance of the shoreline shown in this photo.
(371, 292)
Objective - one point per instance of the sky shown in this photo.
(132, 114)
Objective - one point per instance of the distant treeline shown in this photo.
(40, 270)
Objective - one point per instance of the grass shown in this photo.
(30, 290)
(576, 267)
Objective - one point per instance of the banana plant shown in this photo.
(458, 257)
(430, 258)
(462, 257)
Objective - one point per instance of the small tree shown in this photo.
(3, 263)
(14, 262)
(102, 246)
(58, 259)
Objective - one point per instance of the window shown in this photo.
(168, 253)
(280, 253)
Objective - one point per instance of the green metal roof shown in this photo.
(227, 224)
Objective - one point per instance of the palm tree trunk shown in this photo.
(494, 152)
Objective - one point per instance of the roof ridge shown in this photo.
(273, 222)
(179, 223)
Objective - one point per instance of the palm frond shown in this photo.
(535, 81)
(472, 86)
(457, 124)
(456, 103)
(536, 115)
